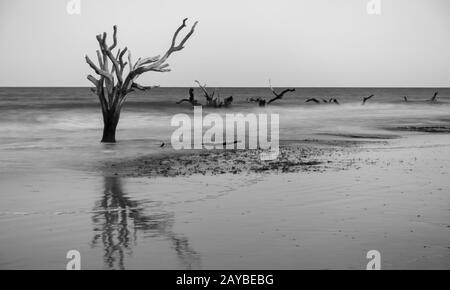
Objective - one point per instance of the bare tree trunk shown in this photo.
(110, 121)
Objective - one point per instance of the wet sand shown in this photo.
(393, 198)
(308, 155)
(358, 196)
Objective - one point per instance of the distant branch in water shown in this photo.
(434, 98)
(330, 101)
(191, 99)
(314, 100)
(365, 99)
(278, 96)
(209, 97)
(212, 100)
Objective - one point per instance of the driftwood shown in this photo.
(211, 99)
(112, 86)
(191, 99)
(365, 99)
(227, 102)
(434, 98)
(278, 96)
(314, 100)
(331, 100)
(263, 102)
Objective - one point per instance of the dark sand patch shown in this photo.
(292, 158)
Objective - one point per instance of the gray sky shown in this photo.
(237, 42)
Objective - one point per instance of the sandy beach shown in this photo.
(388, 196)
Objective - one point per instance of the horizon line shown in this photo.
(250, 87)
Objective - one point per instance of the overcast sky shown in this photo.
(237, 42)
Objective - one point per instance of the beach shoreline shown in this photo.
(349, 179)
(390, 196)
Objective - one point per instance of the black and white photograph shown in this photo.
(242, 135)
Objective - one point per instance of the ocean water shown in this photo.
(52, 198)
(68, 120)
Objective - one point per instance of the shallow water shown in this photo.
(53, 199)
(67, 121)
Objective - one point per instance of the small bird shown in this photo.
(312, 100)
(162, 145)
(367, 98)
(434, 98)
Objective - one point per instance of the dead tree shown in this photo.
(112, 87)
(278, 96)
(191, 99)
(209, 97)
(263, 102)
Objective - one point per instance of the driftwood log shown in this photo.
(212, 100)
(191, 99)
(263, 102)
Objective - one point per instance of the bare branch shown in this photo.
(122, 53)
(130, 62)
(98, 70)
(137, 63)
(100, 59)
(203, 89)
(155, 66)
(280, 95)
(114, 38)
(147, 60)
(93, 80)
(180, 46)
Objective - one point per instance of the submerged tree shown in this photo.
(208, 96)
(212, 100)
(263, 102)
(191, 99)
(112, 87)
